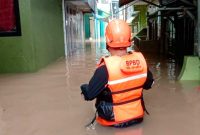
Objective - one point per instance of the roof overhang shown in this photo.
(124, 2)
(85, 6)
(175, 3)
(138, 2)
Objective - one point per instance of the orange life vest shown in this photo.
(127, 75)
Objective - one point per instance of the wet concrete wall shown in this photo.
(74, 29)
(41, 41)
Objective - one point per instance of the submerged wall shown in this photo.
(42, 39)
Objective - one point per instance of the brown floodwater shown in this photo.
(49, 102)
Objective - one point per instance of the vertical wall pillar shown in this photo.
(87, 25)
(198, 27)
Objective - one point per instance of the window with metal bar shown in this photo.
(9, 18)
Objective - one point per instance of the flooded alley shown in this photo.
(49, 48)
(49, 102)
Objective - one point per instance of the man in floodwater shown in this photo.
(119, 80)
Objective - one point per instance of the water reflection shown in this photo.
(171, 69)
(100, 130)
(129, 131)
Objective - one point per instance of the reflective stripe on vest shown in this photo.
(127, 79)
(126, 86)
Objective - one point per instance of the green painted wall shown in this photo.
(41, 41)
(87, 25)
(142, 15)
(47, 31)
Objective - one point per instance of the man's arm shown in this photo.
(149, 80)
(96, 84)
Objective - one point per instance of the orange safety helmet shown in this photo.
(118, 34)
